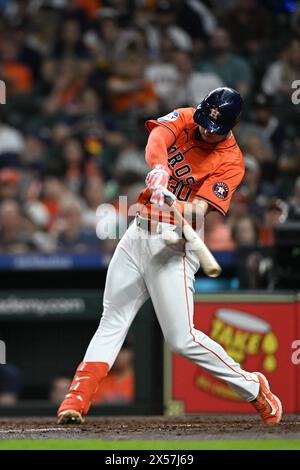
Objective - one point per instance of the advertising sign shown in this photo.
(256, 331)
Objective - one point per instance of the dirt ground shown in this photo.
(200, 427)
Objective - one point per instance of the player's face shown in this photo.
(209, 137)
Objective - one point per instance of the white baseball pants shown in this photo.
(142, 267)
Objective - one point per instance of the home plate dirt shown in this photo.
(191, 427)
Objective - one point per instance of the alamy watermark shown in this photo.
(2, 92)
(296, 94)
(112, 221)
(296, 353)
(2, 352)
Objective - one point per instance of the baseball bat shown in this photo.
(208, 263)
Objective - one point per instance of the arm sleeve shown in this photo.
(163, 134)
(159, 141)
(218, 189)
(174, 122)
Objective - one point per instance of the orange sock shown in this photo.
(85, 384)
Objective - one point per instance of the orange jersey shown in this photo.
(198, 169)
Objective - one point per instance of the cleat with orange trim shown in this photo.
(85, 384)
(266, 403)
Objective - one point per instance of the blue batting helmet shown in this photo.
(220, 110)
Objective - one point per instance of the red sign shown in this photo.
(257, 335)
(296, 352)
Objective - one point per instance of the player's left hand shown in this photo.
(157, 178)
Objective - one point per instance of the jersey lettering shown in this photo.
(178, 188)
(183, 193)
(173, 184)
(177, 158)
(182, 171)
(190, 180)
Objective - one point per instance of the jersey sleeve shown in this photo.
(174, 121)
(218, 188)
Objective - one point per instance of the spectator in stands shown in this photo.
(109, 34)
(294, 203)
(232, 69)
(94, 195)
(9, 183)
(217, 233)
(256, 146)
(14, 238)
(67, 87)
(164, 75)
(70, 233)
(10, 385)
(118, 387)
(192, 86)
(17, 75)
(42, 35)
(268, 123)
(11, 144)
(274, 214)
(254, 189)
(249, 25)
(36, 222)
(53, 193)
(70, 43)
(74, 162)
(196, 19)
(130, 165)
(59, 388)
(129, 91)
(281, 73)
(164, 25)
(34, 153)
(245, 232)
(99, 132)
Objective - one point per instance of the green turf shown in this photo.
(149, 445)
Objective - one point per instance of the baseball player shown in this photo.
(194, 156)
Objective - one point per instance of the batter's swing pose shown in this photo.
(193, 154)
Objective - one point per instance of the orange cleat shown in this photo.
(266, 404)
(85, 384)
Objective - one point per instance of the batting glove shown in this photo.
(159, 196)
(157, 178)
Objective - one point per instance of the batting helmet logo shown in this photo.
(214, 113)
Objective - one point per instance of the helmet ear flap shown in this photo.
(196, 114)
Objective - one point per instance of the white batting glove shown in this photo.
(159, 196)
(157, 178)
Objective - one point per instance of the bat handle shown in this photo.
(169, 200)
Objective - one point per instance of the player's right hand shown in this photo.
(157, 178)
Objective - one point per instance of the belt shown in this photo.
(151, 225)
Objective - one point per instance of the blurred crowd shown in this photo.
(118, 388)
(82, 77)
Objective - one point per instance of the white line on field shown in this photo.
(16, 431)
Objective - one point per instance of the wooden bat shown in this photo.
(208, 263)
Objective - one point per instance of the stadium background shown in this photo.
(81, 79)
